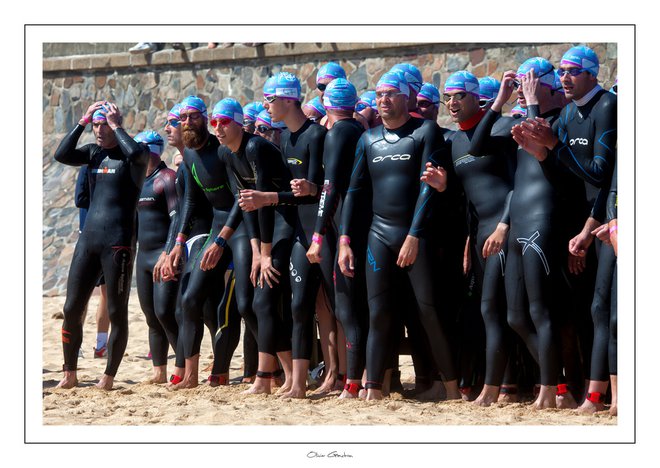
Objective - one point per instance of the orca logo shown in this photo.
(393, 157)
(579, 141)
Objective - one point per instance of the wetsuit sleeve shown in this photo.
(356, 187)
(189, 201)
(335, 147)
(482, 142)
(314, 171)
(433, 145)
(235, 214)
(67, 153)
(82, 195)
(266, 161)
(135, 152)
(169, 189)
(596, 168)
(598, 211)
(174, 220)
(612, 199)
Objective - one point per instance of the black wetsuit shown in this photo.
(108, 239)
(393, 161)
(351, 305)
(156, 207)
(486, 175)
(206, 182)
(587, 147)
(303, 151)
(255, 159)
(612, 208)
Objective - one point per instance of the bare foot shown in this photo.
(259, 387)
(70, 380)
(346, 394)
(105, 383)
(294, 393)
(489, 395)
(284, 388)
(566, 401)
(184, 384)
(249, 379)
(589, 407)
(362, 394)
(547, 398)
(435, 393)
(613, 410)
(217, 380)
(508, 395)
(374, 394)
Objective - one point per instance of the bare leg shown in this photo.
(508, 394)
(374, 394)
(387, 380)
(328, 335)
(286, 360)
(488, 395)
(299, 383)
(613, 407)
(69, 380)
(102, 319)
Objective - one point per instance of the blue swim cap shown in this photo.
(175, 112)
(330, 70)
(394, 79)
(251, 110)
(340, 94)
(583, 57)
(488, 88)
(411, 73)
(542, 68)
(264, 119)
(463, 81)
(519, 111)
(194, 103)
(430, 93)
(557, 85)
(283, 85)
(152, 139)
(614, 87)
(366, 99)
(316, 105)
(229, 108)
(99, 115)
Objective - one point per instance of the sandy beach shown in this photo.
(133, 402)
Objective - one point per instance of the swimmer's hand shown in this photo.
(346, 260)
(436, 177)
(211, 257)
(495, 241)
(250, 200)
(408, 252)
(303, 188)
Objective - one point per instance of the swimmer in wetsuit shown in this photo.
(266, 128)
(117, 164)
(428, 102)
(156, 208)
(584, 139)
(314, 109)
(250, 112)
(206, 183)
(392, 158)
(367, 108)
(350, 293)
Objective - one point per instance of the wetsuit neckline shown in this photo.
(584, 100)
(472, 121)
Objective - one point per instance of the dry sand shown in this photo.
(132, 402)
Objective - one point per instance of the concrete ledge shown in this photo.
(236, 54)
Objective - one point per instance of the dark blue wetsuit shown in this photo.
(256, 162)
(488, 184)
(393, 161)
(303, 151)
(108, 239)
(156, 207)
(351, 306)
(537, 255)
(587, 147)
(206, 182)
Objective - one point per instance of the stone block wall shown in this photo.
(144, 87)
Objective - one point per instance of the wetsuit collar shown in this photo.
(587, 97)
(472, 121)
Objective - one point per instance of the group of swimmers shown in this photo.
(361, 211)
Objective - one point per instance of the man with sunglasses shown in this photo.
(206, 184)
(250, 113)
(117, 165)
(584, 140)
(389, 159)
(414, 78)
(488, 183)
(366, 107)
(488, 89)
(266, 128)
(428, 102)
(536, 264)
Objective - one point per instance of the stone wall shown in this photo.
(145, 87)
